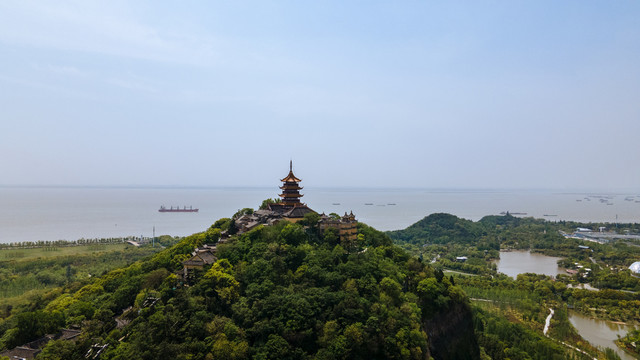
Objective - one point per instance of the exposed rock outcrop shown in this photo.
(451, 335)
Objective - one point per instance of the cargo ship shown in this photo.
(177, 209)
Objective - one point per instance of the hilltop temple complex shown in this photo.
(288, 208)
(291, 209)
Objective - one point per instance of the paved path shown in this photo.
(486, 300)
(547, 322)
(546, 329)
(458, 272)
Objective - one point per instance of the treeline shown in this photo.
(510, 316)
(62, 243)
(605, 304)
(502, 339)
(164, 240)
(495, 232)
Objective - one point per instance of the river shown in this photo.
(601, 332)
(598, 332)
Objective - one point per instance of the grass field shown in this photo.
(26, 254)
(28, 273)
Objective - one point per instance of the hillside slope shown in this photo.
(440, 228)
(277, 292)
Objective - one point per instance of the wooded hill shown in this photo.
(276, 292)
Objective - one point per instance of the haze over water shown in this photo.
(45, 213)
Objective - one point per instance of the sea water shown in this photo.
(71, 213)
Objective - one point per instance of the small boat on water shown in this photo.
(335, 204)
(368, 203)
(512, 213)
(177, 209)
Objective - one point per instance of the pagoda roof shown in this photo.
(290, 177)
(298, 211)
(290, 195)
(290, 186)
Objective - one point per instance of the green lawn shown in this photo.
(21, 254)
(29, 273)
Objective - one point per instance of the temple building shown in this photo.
(291, 209)
(346, 225)
(200, 258)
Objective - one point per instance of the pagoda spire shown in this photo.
(290, 177)
(290, 188)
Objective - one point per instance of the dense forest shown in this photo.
(286, 291)
(290, 291)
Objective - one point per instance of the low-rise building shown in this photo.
(346, 225)
(200, 258)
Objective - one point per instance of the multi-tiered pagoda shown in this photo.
(290, 188)
(290, 206)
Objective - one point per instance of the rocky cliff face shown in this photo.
(451, 335)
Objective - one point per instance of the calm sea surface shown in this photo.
(31, 214)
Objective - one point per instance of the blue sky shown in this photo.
(517, 94)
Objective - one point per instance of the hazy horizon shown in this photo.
(517, 95)
(583, 191)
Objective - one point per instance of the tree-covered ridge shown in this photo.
(487, 233)
(277, 292)
(440, 228)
